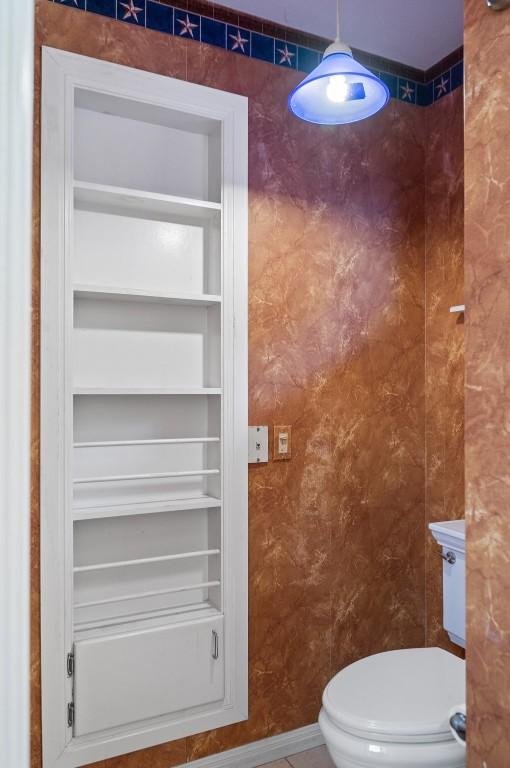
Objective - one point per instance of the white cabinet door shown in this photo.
(141, 675)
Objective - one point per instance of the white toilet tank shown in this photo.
(451, 537)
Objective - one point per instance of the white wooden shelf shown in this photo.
(147, 390)
(144, 508)
(103, 197)
(154, 593)
(145, 476)
(117, 293)
(162, 441)
(145, 619)
(145, 560)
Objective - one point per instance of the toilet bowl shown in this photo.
(392, 710)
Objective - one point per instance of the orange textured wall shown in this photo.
(337, 349)
(444, 340)
(488, 384)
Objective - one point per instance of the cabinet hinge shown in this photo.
(70, 714)
(70, 664)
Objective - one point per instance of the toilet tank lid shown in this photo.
(405, 694)
(451, 533)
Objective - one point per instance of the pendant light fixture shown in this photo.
(339, 90)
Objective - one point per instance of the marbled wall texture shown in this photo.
(444, 339)
(337, 329)
(488, 383)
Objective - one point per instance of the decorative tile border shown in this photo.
(249, 36)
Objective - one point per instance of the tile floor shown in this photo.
(312, 758)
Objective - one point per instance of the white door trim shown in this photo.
(16, 108)
(263, 751)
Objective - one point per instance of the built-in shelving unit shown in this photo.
(144, 409)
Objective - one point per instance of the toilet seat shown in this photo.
(399, 696)
(391, 710)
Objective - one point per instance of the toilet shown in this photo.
(393, 709)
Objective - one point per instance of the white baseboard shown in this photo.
(264, 751)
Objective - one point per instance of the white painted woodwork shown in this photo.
(115, 293)
(180, 241)
(120, 344)
(142, 417)
(126, 510)
(139, 155)
(16, 118)
(141, 675)
(144, 409)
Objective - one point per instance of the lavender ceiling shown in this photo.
(418, 33)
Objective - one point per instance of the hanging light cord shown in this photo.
(337, 21)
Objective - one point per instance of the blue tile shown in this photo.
(307, 59)
(72, 3)
(187, 24)
(457, 76)
(213, 32)
(407, 91)
(131, 11)
(392, 83)
(104, 7)
(239, 40)
(160, 17)
(441, 86)
(285, 54)
(425, 95)
(262, 47)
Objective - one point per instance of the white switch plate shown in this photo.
(257, 445)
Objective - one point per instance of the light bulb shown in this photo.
(338, 89)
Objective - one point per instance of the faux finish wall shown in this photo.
(444, 340)
(337, 328)
(488, 383)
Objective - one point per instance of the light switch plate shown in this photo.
(257, 445)
(282, 442)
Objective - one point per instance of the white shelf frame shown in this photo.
(147, 391)
(162, 441)
(170, 614)
(109, 293)
(99, 196)
(145, 508)
(63, 73)
(152, 593)
(145, 476)
(145, 560)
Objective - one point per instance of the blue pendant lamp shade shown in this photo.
(338, 91)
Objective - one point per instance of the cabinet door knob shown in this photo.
(215, 645)
(450, 557)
